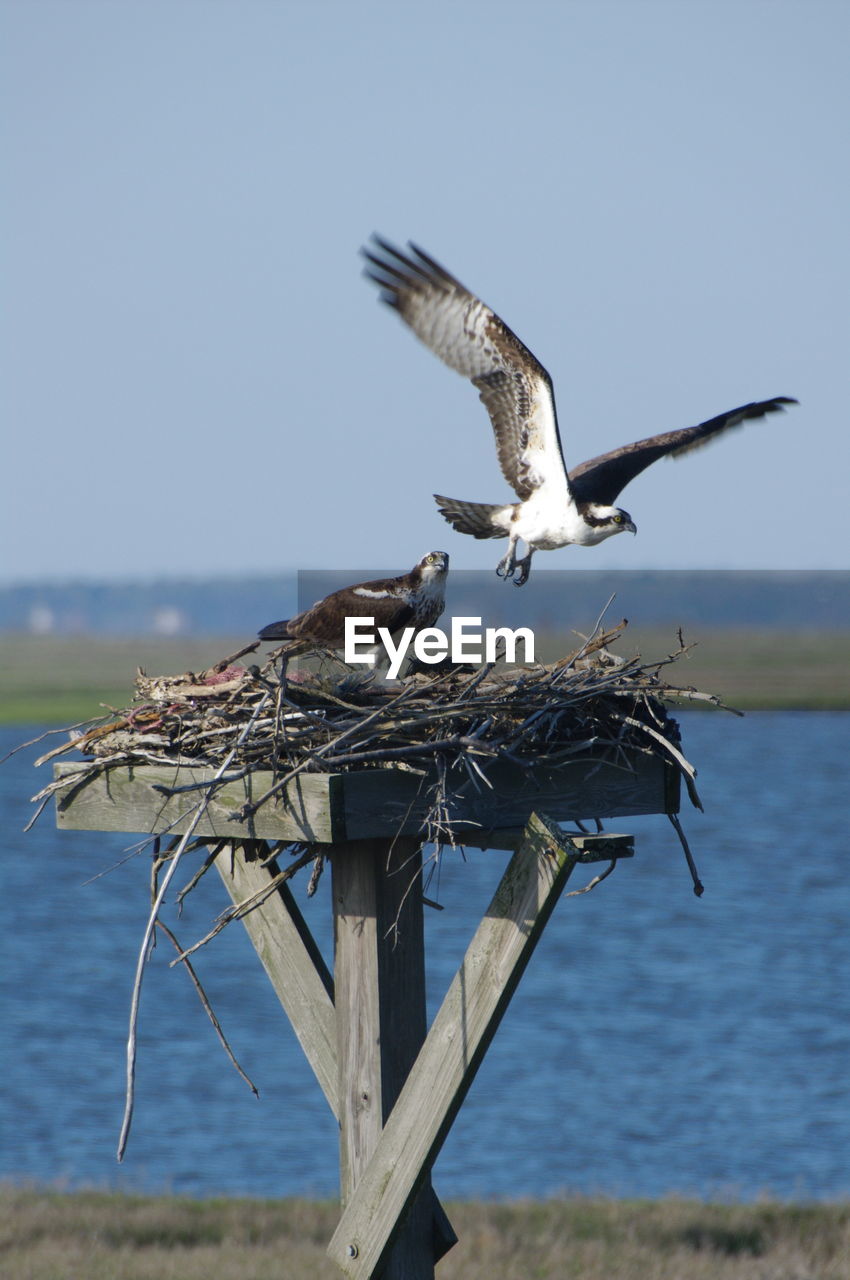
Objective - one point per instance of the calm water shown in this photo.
(657, 1043)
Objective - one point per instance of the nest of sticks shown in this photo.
(452, 721)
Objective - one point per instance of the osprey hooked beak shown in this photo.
(437, 560)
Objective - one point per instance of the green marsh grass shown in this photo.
(62, 680)
(47, 1235)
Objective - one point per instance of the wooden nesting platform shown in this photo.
(326, 808)
(394, 1085)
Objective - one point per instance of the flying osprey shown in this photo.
(414, 599)
(554, 508)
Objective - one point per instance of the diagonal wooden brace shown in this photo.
(290, 957)
(453, 1050)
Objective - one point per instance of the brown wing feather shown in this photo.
(324, 622)
(470, 338)
(602, 479)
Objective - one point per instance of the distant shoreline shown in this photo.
(773, 598)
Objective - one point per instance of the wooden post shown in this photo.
(379, 967)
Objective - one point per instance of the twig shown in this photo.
(32, 742)
(687, 769)
(204, 867)
(209, 1009)
(699, 887)
(241, 909)
(224, 663)
(318, 868)
(148, 934)
(249, 809)
(591, 884)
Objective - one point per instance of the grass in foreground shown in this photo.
(100, 1236)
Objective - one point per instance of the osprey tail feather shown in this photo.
(276, 631)
(480, 519)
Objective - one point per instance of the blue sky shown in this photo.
(198, 380)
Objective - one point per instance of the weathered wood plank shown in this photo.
(330, 808)
(379, 971)
(291, 959)
(595, 847)
(454, 1049)
(358, 1008)
(580, 789)
(125, 799)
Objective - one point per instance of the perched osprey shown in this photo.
(414, 599)
(554, 508)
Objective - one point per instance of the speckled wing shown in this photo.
(387, 600)
(602, 479)
(470, 338)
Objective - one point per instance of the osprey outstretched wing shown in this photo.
(555, 508)
(469, 337)
(602, 479)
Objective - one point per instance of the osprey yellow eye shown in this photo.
(618, 519)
